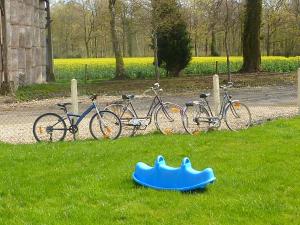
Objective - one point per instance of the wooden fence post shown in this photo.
(216, 90)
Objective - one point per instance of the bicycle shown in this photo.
(166, 114)
(198, 116)
(52, 127)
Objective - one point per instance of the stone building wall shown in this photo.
(26, 41)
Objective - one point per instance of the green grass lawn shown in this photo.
(89, 182)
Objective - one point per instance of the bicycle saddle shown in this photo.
(63, 104)
(204, 95)
(127, 97)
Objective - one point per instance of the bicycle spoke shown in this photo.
(196, 119)
(126, 116)
(106, 126)
(237, 116)
(168, 119)
(49, 127)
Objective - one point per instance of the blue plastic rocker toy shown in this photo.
(163, 177)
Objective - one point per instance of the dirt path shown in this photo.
(16, 119)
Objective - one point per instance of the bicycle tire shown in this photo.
(171, 115)
(236, 107)
(197, 125)
(125, 117)
(107, 130)
(40, 129)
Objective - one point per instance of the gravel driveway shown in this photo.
(16, 119)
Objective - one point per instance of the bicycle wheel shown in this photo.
(195, 119)
(237, 116)
(126, 116)
(107, 125)
(49, 127)
(168, 118)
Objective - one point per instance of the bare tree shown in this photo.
(226, 40)
(272, 20)
(49, 74)
(72, 37)
(120, 69)
(89, 15)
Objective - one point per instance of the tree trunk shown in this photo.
(206, 47)
(87, 49)
(213, 46)
(176, 72)
(129, 42)
(124, 28)
(120, 70)
(157, 74)
(49, 73)
(196, 44)
(96, 47)
(138, 48)
(251, 37)
(268, 44)
(4, 86)
(226, 41)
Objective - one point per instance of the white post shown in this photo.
(216, 90)
(74, 97)
(298, 91)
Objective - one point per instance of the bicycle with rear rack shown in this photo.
(198, 116)
(166, 115)
(51, 127)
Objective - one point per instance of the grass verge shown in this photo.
(89, 182)
(170, 85)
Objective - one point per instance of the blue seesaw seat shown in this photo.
(164, 177)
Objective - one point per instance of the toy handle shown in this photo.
(186, 162)
(159, 160)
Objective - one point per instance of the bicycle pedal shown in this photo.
(142, 128)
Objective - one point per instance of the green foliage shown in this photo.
(89, 182)
(173, 39)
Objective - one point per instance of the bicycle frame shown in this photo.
(70, 116)
(226, 100)
(155, 103)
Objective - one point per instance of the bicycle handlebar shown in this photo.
(228, 85)
(93, 97)
(148, 90)
(155, 88)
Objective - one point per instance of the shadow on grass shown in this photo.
(192, 192)
(195, 192)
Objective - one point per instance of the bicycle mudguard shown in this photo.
(163, 177)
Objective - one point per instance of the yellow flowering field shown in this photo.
(103, 68)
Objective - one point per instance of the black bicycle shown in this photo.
(167, 115)
(198, 116)
(52, 127)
